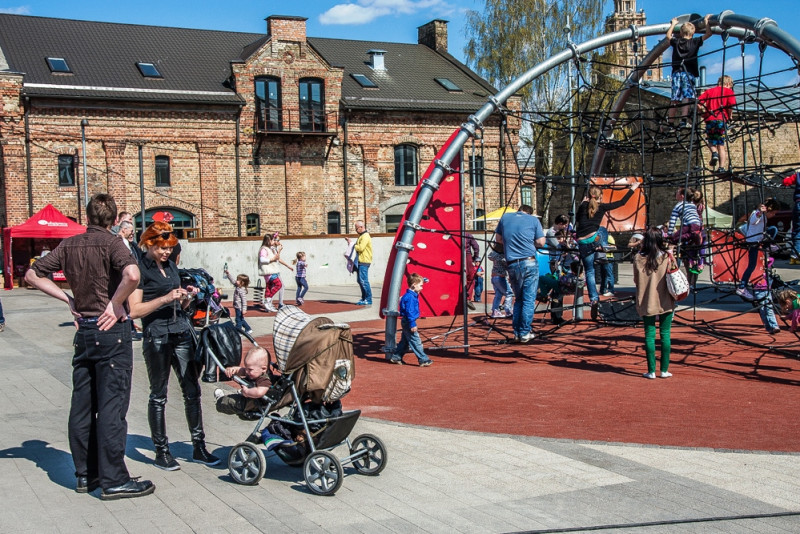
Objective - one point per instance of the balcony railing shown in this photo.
(294, 121)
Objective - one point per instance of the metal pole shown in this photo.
(84, 124)
(571, 133)
(141, 185)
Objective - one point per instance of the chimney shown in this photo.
(286, 28)
(702, 77)
(376, 59)
(433, 35)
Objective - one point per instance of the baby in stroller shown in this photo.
(250, 399)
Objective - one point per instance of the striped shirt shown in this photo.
(686, 212)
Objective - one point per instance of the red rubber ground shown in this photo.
(584, 382)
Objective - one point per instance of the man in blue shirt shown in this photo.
(521, 234)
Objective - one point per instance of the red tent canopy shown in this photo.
(47, 223)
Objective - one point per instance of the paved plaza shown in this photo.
(437, 480)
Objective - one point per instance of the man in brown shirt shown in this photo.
(101, 273)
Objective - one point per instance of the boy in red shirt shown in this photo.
(716, 105)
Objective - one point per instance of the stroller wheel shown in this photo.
(373, 455)
(246, 464)
(323, 473)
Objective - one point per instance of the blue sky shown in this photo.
(386, 20)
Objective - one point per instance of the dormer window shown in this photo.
(58, 65)
(149, 70)
(449, 85)
(363, 81)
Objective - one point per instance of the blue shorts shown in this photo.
(683, 87)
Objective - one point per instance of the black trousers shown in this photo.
(174, 351)
(102, 368)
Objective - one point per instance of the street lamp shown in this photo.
(84, 124)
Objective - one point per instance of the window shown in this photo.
(526, 195)
(476, 171)
(162, 171)
(268, 104)
(405, 165)
(149, 70)
(66, 170)
(252, 224)
(393, 223)
(363, 81)
(481, 224)
(312, 116)
(447, 84)
(58, 65)
(334, 222)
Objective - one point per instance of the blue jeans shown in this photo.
(523, 275)
(796, 230)
(241, 324)
(363, 282)
(607, 274)
(478, 288)
(2, 318)
(409, 340)
(302, 287)
(587, 253)
(752, 259)
(765, 309)
(501, 289)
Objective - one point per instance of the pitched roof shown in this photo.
(195, 65)
(409, 81)
(103, 57)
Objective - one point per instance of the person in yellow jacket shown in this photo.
(363, 248)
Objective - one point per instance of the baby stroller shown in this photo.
(206, 307)
(315, 368)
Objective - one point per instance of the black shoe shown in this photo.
(714, 159)
(595, 305)
(132, 488)
(84, 485)
(165, 461)
(202, 456)
(470, 305)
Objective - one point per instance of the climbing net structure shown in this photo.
(619, 130)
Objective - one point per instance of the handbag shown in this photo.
(269, 267)
(677, 284)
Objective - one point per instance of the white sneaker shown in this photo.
(498, 313)
(665, 374)
(218, 394)
(250, 332)
(744, 293)
(649, 375)
(527, 337)
(269, 307)
(608, 294)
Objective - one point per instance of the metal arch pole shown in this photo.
(763, 27)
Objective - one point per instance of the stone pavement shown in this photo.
(436, 480)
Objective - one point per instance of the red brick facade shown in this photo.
(290, 179)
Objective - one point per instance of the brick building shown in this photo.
(233, 133)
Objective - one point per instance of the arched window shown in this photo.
(252, 224)
(405, 165)
(162, 171)
(66, 170)
(312, 111)
(334, 222)
(268, 104)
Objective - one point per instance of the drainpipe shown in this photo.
(238, 176)
(28, 156)
(502, 163)
(344, 172)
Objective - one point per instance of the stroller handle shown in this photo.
(340, 326)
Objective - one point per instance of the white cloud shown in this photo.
(733, 66)
(21, 10)
(365, 11)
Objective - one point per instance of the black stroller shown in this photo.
(314, 368)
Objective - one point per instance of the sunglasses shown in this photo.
(165, 235)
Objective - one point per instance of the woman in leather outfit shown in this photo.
(160, 301)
